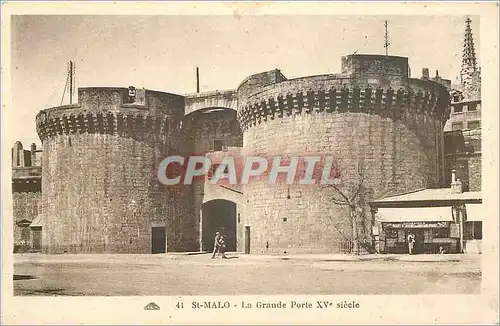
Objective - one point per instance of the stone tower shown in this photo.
(100, 191)
(384, 129)
(470, 74)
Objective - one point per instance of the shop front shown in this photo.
(438, 218)
(429, 236)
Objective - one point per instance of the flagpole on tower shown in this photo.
(71, 77)
(386, 38)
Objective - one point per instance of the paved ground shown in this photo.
(182, 274)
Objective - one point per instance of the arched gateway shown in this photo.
(219, 215)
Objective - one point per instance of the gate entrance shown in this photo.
(158, 240)
(219, 215)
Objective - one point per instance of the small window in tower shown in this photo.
(458, 109)
(472, 107)
(476, 124)
(217, 145)
(457, 126)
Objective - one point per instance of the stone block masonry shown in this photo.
(391, 137)
(25, 208)
(100, 191)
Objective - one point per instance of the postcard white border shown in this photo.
(375, 309)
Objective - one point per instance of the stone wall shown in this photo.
(256, 82)
(26, 193)
(391, 156)
(463, 154)
(25, 208)
(217, 99)
(468, 169)
(204, 128)
(388, 70)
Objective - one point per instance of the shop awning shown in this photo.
(415, 214)
(474, 212)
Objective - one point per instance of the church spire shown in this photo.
(469, 63)
(470, 75)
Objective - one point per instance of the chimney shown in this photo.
(456, 184)
(425, 73)
(437, 74)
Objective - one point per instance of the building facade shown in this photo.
(26, 195)
(463, 129)
(440, 219)
(387, 131)
(100, 191)
(450, 218)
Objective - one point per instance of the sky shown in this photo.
(162, 52)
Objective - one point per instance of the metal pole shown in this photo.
(197, 80)
(461, 228)
(386, 43)
(71, 82)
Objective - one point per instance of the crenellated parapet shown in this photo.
(373, 84)
(129, 124)
(110, 111)
(387, 102)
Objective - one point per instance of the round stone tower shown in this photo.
(100, 191)
(384, 129)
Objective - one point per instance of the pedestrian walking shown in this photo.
(216, 244)
(222, 246)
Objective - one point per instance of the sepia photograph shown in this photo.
(210, 156)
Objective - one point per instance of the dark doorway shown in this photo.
(37, 238)
(247, 239)
(219, 215)
(419, 241)
(158, 240)
(418, 246)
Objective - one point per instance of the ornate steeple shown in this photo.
(469, 53)
(470, 75)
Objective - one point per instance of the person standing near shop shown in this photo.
(411, 242)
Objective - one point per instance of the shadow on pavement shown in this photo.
(24, 277)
